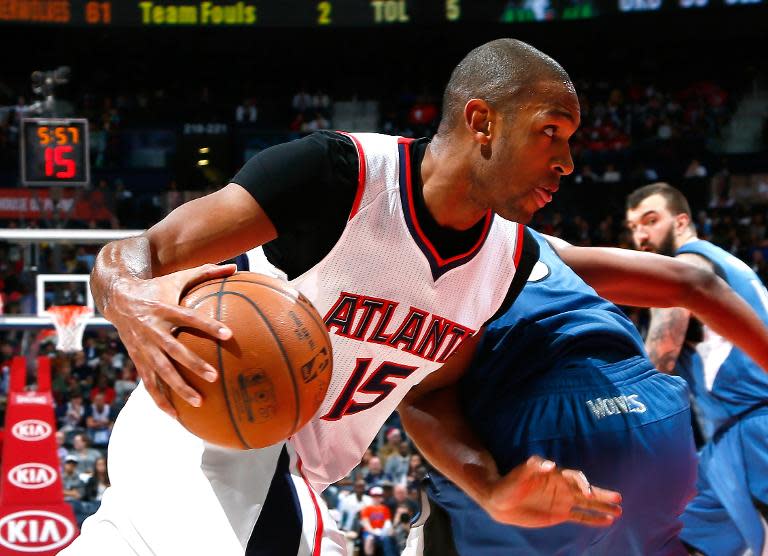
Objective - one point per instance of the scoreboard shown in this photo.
(54, 151)
(324, 13)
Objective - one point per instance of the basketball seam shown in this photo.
(282, 351)
(232, 419)
(311, 314)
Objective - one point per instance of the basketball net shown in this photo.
(70, 321)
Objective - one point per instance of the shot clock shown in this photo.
(54, 151)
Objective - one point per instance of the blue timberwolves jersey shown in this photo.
(557, 322)
(563, 374)
(556, 318)
(724, 381)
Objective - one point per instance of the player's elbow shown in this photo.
(702, 283)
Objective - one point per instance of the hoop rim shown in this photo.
(65, 314)
(70, 322)
(68, 311)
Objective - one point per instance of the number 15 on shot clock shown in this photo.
(54, 151)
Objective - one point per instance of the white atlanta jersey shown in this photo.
(395, 310)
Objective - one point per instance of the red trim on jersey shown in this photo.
(519, 246)
(360, 174)
(409, 187)
(318, 513)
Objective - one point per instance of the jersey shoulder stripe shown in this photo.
(360, 174)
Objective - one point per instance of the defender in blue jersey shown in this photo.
(730, 389)
(563, 374)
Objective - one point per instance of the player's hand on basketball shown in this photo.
(146, 312)
(539, 494)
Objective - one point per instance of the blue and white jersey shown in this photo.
(557, 322)
(556, 318)
(724, 380)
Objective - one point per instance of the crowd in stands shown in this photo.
(89, 388)
(620, 121)
(375, 503)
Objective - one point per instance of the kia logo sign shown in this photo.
(31, 430)
(35, 531)
(32, 475)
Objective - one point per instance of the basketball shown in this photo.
(273, 372)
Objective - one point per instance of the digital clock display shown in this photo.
(54, 151)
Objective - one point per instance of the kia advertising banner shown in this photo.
(34, 519)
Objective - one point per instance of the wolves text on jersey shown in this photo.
(368, 319)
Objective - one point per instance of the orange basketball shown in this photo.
(273, 371)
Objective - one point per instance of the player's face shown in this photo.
(652, 226)
(530, 151)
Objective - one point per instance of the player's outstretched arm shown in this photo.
(137, 283)
(534, 494)
(649, 280)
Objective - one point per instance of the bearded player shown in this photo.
(730, 389)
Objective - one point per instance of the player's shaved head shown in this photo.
(501, 72)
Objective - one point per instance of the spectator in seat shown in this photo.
(402, 526)
(98, 482)
(375, 473)
(397, 464)
(74, 488)
(127, 382)
(376, 526)
(104, 389)
(400, 499)
(99, 421)
(61, 382)
(82, 371)
(85, 455)
(350, 506)
(392, 445)
(415, 464)
(61, 450)
(74, 413)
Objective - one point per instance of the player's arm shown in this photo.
(534, 494)
(137, 283)
(668, 326)
(675, 287)
(666, 336)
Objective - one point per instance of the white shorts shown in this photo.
(174, 494)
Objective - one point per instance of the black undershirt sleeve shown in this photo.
(307, 188)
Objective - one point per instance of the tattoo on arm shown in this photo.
(666, 335)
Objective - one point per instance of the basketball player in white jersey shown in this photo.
(406, 248)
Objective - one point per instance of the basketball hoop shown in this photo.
(70, 321)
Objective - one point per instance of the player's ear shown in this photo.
(682, 222)
(479, 117)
